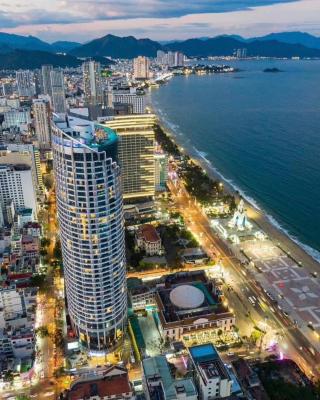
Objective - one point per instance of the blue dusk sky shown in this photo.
(82, 20)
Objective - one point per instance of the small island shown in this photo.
(272, 70)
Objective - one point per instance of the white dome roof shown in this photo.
(186, 296)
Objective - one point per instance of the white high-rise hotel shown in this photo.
(90, 213)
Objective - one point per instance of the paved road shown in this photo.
(293, 343)
(47, 387)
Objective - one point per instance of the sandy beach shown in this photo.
(258, 216)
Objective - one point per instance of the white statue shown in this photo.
(239, 219)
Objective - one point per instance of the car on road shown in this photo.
(310, 325)
(270, 296)
(251, 299)
(286, 313)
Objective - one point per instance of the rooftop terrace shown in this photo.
(207, 360)
(81, 133)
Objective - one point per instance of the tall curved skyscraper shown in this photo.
(90, 213)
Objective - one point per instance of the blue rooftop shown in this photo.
(204, 352)
(111, 135)
(108, 142)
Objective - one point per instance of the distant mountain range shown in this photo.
(305, 39)
(225, 45)
(23, 59)
(129, 47)
(32, 59)
(64, 46)
(13, 42)
(37, 52)
(118, 47)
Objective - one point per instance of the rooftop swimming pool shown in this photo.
(203, 352)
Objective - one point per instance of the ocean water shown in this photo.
(261, 131)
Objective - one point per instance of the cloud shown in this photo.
(302, 15)
(22, 12)
(36, 17)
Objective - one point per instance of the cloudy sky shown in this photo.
(82, 20)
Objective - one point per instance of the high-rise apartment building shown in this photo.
(92, 83)
(17, 118)
(241, 53)
(170, 59)
(160, 57)
(141, 67)
(179, 59)
(136, 154)
(25, 83)
(46, 79)
(17, 185)
(2, 146)
(127, 95)
(25, 153)
(7, 89)
(37, 81)
(90, 213)
(42, 113)
(58, 96)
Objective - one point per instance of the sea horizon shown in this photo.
(163, 101)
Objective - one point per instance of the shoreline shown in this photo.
(274, 231)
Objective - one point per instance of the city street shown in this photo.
(44, 386)
(292, 343)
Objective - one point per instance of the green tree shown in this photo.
(59, 372)
(57, 254)
(68, 364)
(8, 376)
(45, 242)
(43, 252)
(38, 281)
(42, 331)
(255, 335)
(48, 181)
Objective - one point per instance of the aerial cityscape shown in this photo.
(159, 200)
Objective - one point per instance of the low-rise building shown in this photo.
(210, 374)
(32, 229)
(194, 255)
(158, 382)
(17, 308)
(188, 305)
(113, 383)
(148, 239)
(142, 297)
(139, 211)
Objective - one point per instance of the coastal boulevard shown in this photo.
(240, 287)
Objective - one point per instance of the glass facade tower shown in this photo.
(90, 214)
